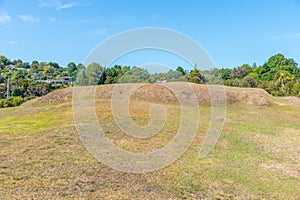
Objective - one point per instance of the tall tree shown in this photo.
(72, 69)
(92, 75)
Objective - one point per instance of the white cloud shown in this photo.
(64, 6)
(101, 31)
(29, 18)
(58, 5)
(4, 17)
(286, 36)
(11, 42)
(53, 20)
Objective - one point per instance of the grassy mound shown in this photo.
(160, 93)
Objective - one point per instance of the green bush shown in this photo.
(17, 101)
(11, 102)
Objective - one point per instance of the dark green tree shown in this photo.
(225, 74)
(135, 75)
(72, 70)
(92, 75)
(180, 69)
(4, 62)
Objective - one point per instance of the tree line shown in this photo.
(21, 81)
(279, 76)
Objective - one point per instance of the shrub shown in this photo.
(11, 102)
(17, 101)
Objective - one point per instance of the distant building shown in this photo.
(63, 80)
(49, 74)
(67, 79)
(22, 69)
(37, 74)
(164, 81)
(52, 81)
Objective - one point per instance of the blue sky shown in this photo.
(233, 32)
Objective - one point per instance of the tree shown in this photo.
(241, 71)
(92, 75)
(20, 64)
(282, 78)
(2, 79)
(180, 69)
(17, 75)
(115, 73)
(173, 75)
(2, 91)
(42, 65)
(296, 89)
(256, 73)
(250, 82)
(125, 69)
(72, 69)
(4, 62)
(34, 66)
(81, 78)
(225, 74)
(195, 76)
(135, 75)
(278, 63)
(54, 65)
(80, 66)
(48, 70)
(16, 92)
(38, 89)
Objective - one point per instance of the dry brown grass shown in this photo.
(159, 93)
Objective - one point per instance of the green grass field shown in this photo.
(256, 157)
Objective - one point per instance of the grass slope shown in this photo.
(257, 156)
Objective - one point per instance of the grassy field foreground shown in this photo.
(257, 155)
